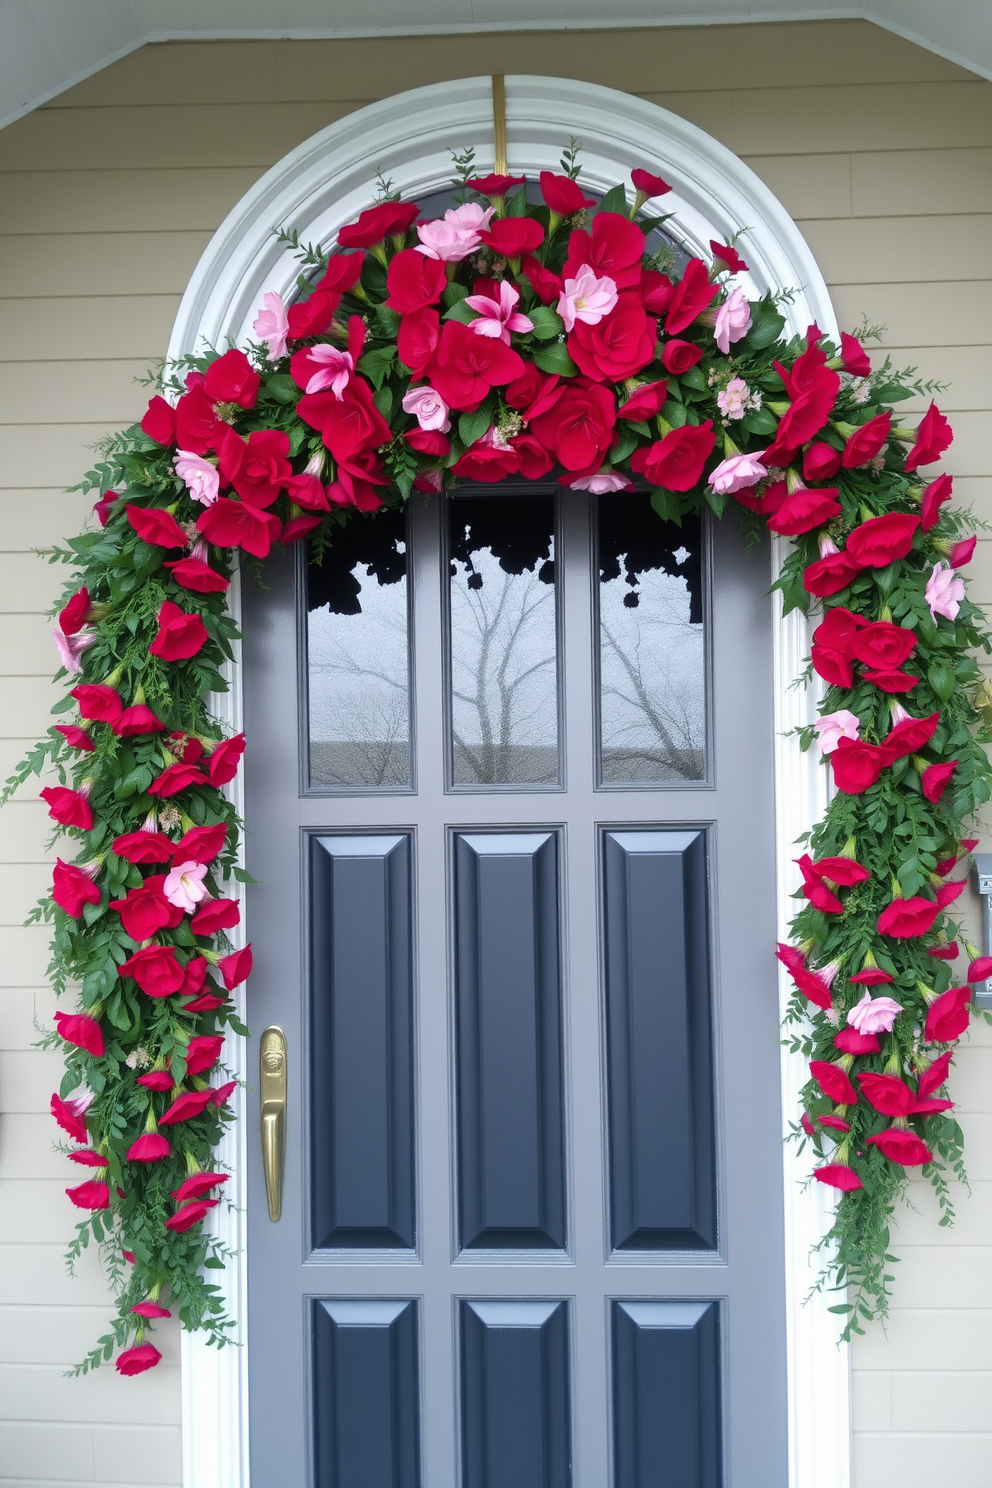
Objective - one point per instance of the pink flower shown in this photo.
(201, 477)
(733, 320)
(603, 482)
(184, 886)
(833, 727)
(944, 592)
(874, 1014)
(587, 297)
(272, 325)
(499, 317)
(428, 408)
(70, 648)
(454, 236)
(334, 371)
(736, 473)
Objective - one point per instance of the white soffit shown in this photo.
(46, 46)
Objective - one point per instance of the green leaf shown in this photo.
(547, 323)
(715, 500)
(453, 292)
(667, 505)
(615, 200)
(694, 378)
(461, 311)
(389, 320)
(760, 422)
(554, 357)
(675, 414)
(767, 325)
(516, 205)
(472, 426)
(282, 387)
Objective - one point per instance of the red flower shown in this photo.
(88, 1158)
(428, 442)
(812, 985)
(221, 1095)
(352, 424)
(414, 281)
(494, 185)
(838, 1175)
(150, 1309)
(676, 462)
(73, 616)
(533, 392)
(102, 507)
(196, 976)
(657, 291)
(136, 1360)
(881, 540)
(850, 1041)
(934, 1075)
(648, 399)
(159, 422)
(155, 969)
(872, 976)
(936, 493)
(75, 737)
(691, 296)
(648, 184)
(352, 490)
(197, 425)
(179, 636)
(790, 958)
(866, 442)
(804, 510)
(613, 250)
(223, 763)
(93, 1194)
(313, 316)
(844, 871)
(219, 914)
(387, 220)
(208, 1002)
(947, 1017)
(203, 1052)
(83, 1031)
(259, 469)
(833, 666)
(198, 1184)
(143, 847)
(194, 574)
(578, 428)
(678, 356)
(200, 844)
(486, 461)
(343, 271)
(830, 575)
(805, 417)
(231, 524)
(96, 701)
(418, 339)
(834, 1082)
(156, 1080)
(467, 365)
(70, 1120)
(948, 951)
(136, 720)
(145, 911)
(191, 1103)
(150, 1147)
(904, 919)
(546, 285)
(963, 552)
(232, 379)
(910, 735)
(729, 257)
(834, 1123)
(902, 1146)
(883, 645)
(855, 359)
(68, 807)
(189, 1215)
(156, 527)
(563, 195)
(820, 462)
(72, 888)
(815, 890)
(235, 968)
(857, 765)
(948, 892)
(887, 1093)
(619, 345)
(933, 437)
(512, 237)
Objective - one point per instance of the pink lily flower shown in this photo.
(272, 325)
(184, 886)
(455, 235)
(201, 478)
(587, 298)
(833, 727)
(944, 592)
(336, 368)
(499, 317)
(70, 648)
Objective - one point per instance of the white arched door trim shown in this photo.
(324, 183)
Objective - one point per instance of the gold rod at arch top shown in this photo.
(499, 124)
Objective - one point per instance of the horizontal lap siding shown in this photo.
(108, 196)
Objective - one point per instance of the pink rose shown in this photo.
(736, 473)
(733, 320)
(833, 727)
(428, 408)
(201, 477)
(874, 1014)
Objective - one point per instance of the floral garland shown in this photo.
(508, 337)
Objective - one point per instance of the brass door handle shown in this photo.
(272, 1079)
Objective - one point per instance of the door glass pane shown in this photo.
(503, 674)
(652, 655)
(358, 657)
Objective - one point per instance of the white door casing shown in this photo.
(315, 189)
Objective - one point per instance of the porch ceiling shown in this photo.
(47, 46)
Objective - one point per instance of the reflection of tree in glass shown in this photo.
(504, 706)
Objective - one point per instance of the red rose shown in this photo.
(534, 458)
(195, 978)
(692, 295)
(143, 847)
(512, 237)
(223, 763)
(146, 910)
(804, 510)
(820, 462)
(136, 1360)
(197, 1184)
(678, 356)
(910, 735)
(647, 400)
(428, 442)
(563, 195)
(850, 1041)
(676, 462)
(159, 422)
(156, 527)
(149, 1148)
(815, 890)
(618, 346)
(494, 185)
(934, 1075)
(883, 645)
(190, 1214)
(175, 778)
(232, 379)
(387, 220)
(936, 493)
(235, 968)
(73, 616)
(262, 468)
(647, 184)
(485, 461)
(200, 844)
(886, 1093)
(418, 339)
(838, 628)
(833, 1081)
(219, 914)
(854, 358)
(203, 1052)
(947, 1017)
(933, 437)
(467, 366)
(179, 636)
(82, 1031)
(533, 392)
(881, 540)
(613, 250)
(805, 417)
(75, 737)
(729, 257)
(72, 888)
(137, 720)
(155, 969)
(312, 316)
(838, 1175)
(857, 765)
(830, 575)
(195, 575)
(98, 702)
(865, 443)
(414, 281)
(578, 429)
(936, 779)
(905, 919)
(657, 291)
(197, 425)
(68, 807)
(93, 1194)
(546, 285)
(902, 1146)
(352, 424)
(947, 892)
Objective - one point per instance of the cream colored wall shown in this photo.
(108, 195)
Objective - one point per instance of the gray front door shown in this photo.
(509, 799)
